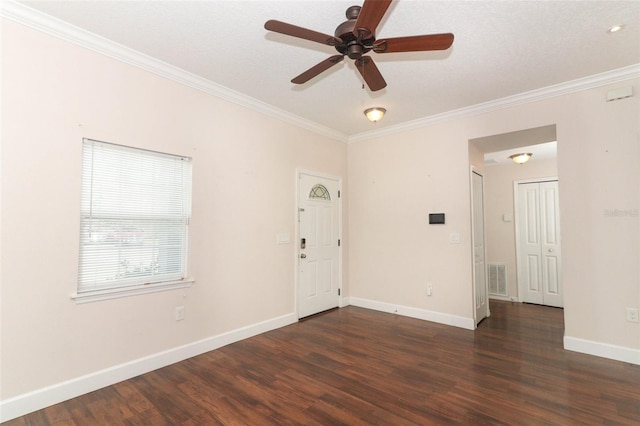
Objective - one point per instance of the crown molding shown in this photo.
(572, 86)
(32, 18)
(37, 20)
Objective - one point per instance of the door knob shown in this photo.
(303, 256)
(550, 250)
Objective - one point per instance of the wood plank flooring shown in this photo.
(359, 367)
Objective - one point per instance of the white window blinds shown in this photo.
(135, 211)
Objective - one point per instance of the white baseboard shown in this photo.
(418, 313)
(604, 350)
(41, 398)
(505, 298)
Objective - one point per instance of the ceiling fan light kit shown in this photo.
(521, 158)
(355, 37)
(375, 114)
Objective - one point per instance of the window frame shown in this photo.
(164, 222)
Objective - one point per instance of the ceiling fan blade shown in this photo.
(370, 16)
(317, 69)
(414, 43)
(370, 73)
(295, 31)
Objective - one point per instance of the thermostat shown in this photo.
(436, 218)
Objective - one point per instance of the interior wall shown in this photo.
(396, 180)
(476, 157)
(244, 194)
(500, 234)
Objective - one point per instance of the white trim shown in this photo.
(48, 24)
(604, 350)
(408, 311)
(537, 180)
(35, 19)
(41, 398)
(505, 298)
(114, 293)
(597, 80)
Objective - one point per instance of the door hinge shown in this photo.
(338, 292)
(338, 243)
(338, 193)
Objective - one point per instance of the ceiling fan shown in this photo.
(355, 37)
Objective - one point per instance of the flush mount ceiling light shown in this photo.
(521, 158)
(615, 28)
(374, 114)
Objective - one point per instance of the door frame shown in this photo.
(516, 225)
(484, 246)
(299, 171)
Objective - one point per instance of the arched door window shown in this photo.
(319, 192)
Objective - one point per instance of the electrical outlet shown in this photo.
(632, 314)
(429, 290)
(179, 313)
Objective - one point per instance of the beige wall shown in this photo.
(476, 157)
(498, 190)
(396, 180)
(244, 167)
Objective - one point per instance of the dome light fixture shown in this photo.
(374, 114)
(521, 158)
(615, 28)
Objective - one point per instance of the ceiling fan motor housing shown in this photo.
(353, 46)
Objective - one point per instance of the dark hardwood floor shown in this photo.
(355, 366)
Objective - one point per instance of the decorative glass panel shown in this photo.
(319, 192)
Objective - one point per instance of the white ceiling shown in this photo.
(538, 152)
(501, 49)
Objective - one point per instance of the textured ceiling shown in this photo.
(501, 49)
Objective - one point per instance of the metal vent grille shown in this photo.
(497, 279)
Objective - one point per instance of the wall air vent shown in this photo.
(497, 279)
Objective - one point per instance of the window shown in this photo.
(135, 212)
(319, 192)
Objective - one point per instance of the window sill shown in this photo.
(98, 295)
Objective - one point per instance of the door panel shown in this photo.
(318, 260)
(533, 280)
(311, 279)
(538, 240)
(529, 267)
(479, 267)
(550, 221)
(531, 218)
(551, 276)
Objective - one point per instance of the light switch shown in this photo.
(283, 239)
(454, 238)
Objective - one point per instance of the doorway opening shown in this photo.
(491, 155)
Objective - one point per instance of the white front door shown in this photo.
(538, 243)
(318, 244)
(479, 267)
